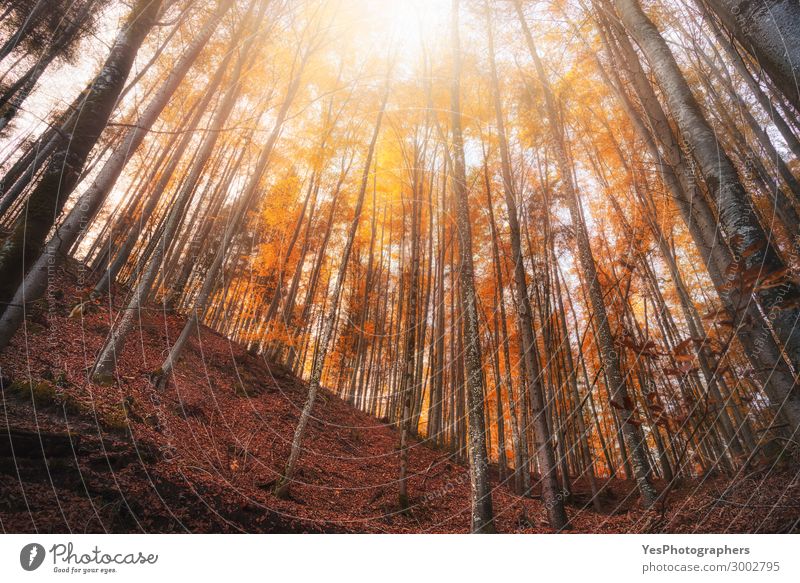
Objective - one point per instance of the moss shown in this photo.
(46, 394)
(119, 418)
(129, 407)
(34, 328)
(248, 388)
(115, 420)
(43, 393)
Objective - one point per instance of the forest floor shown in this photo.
(204, 455)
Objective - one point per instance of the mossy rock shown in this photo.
(119, 418)
(57, 377)
(72, 405)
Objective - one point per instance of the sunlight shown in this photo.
(415, 24)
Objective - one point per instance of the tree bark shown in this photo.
(770, 31)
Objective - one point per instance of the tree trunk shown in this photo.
(87, 205)
(63, 172)
(328, 325)
(770, 31)
(482, 515)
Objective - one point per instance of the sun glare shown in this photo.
(417, 24)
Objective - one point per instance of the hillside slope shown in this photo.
(204, 455)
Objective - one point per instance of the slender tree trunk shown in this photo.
(482, 515)
(15, 95)
(106, 361)
(246, 203)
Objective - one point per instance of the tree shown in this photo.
(482, 515)
(544, 450)
(21, 249)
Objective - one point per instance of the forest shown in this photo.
(400, 266)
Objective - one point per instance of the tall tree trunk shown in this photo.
(482, 515)
(754, 256)
(87, 205)
(246, 203)
(770, 31)
(412, 321)
(752, 330)
(15, 95)
(106, 361)
(519, 442)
